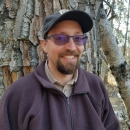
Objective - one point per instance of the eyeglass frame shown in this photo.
(52, 36)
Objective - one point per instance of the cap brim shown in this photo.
(81, 17)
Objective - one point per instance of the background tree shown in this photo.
(21, 28)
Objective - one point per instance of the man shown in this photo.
(59, 95)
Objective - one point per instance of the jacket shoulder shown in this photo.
(94, 80)
(98, 92)
(27, 83)
(25, 91)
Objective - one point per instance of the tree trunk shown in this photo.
(118, 65)
(21, 28)
(127, 26)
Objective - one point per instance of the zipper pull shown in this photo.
(68, 100)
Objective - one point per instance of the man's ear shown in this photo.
(43, 43)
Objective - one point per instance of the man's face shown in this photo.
(63, 58)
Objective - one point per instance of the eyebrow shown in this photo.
(80, 33)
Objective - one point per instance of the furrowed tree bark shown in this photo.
(21, 25)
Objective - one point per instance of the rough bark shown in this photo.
(118, 65)
(21, 29)
(127, 26)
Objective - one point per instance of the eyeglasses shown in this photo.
(61, 39)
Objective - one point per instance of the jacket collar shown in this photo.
(81, 86)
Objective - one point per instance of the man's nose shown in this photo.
(71, 45)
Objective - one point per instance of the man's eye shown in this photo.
(78, 38)
(61, 38)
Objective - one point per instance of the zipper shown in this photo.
(69, 113)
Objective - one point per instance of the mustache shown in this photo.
(67, 52)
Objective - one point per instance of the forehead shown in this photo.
(65, 26)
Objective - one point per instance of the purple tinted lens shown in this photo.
(60, 39)
(80, 39)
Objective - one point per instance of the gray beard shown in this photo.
(67, 69)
